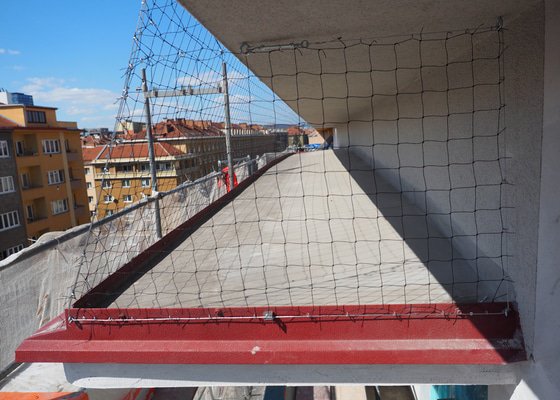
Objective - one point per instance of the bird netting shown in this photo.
(395, 190)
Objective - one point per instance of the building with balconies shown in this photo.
(49, 167)
(120, 176)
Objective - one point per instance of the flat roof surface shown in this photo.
(313, 230)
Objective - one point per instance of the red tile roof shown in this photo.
(139, 150)
(188, 128)
(90, 153)
(178, 128)
(295, 130)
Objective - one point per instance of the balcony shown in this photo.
(72, 156)
(28, 153)
(28, 159)
(80, 210)
(76, 183)
(33, 191)
(403, 238)
(37, 224)
(36, 219)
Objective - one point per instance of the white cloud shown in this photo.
(81, 104)
(10, 52)
(39, 84)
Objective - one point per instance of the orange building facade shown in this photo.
(50, 169)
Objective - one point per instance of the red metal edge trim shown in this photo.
(376, 334)
(110, 288)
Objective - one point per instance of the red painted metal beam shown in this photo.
(391, 334)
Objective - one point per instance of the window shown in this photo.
(30, 213)
(108, 198)
(55, 177)
(9, 220)
(87, 171)
(145, 182)
(7, 184)
(12, 250)
(36, 117)
(89, 185)
(90, 199)
(25, 180)
(124, 168)
(126, 183)
(105, 170)
(51, 146)
(144, 167)
(164, 166)
(106, 184)
(4, 150)
(109, 213)
(127, 198)
(59, 206)
(20, 148)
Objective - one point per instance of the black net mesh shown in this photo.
(403, 199)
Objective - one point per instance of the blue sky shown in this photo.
(69, 54)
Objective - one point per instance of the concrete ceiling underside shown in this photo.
(339, 98)
(235, 22)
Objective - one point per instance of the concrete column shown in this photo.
(541, 377)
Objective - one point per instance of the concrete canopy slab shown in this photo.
(235, 22)
(330, 89)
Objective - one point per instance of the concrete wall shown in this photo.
(540, 376)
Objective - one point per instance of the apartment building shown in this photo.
(121, 176)
(12, 228)
(205, 140)
(90, 154)
(49, 165)
(185, 150)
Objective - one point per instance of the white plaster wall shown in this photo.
(524, 97)
(540, 379)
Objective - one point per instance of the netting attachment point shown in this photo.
(269, 316)
(245, 48)
(500, 23)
